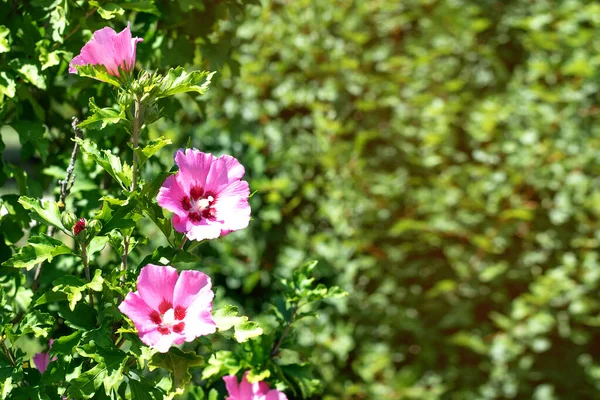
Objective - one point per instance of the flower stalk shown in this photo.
(135, 135)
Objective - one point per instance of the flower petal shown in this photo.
(41, 361)
(171, 195)
(235, 170)
(194, 166)
(202, 230)
(190, 286)
(232, 386)
(138, 311)
(275, 395)
(156, 284)
(160, 342)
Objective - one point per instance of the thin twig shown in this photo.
(65, 188)
(8, 354)
(285, 332)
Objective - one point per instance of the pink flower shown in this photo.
(108, 48)
(41, 360)
(207, 196)
(169, 309)
(250, 391)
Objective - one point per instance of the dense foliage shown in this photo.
(437, 157)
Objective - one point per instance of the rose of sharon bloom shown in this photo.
(250, 391)
(207, 196)
(108, 48)
(41, 360)
(168, 308)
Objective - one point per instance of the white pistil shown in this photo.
(168, 318)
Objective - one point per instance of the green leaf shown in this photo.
(301, 379)
(39, 249)
(67, 344)
(144, 391)
(101, 117)
(109, 10)
(4, 45)
(227, 317)
(37, 323)
(74, 286)
(117, 214)
(86, 384)
(82, 317)
(142, 6)
(97, 244)
(50, 297)
(29, 71)
(122, 173)
(46, 211)
(98, 72)
(178, 363)
(150, 149)
(7, 85)
(177, 80)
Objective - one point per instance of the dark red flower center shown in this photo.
(199, 204)
(168, 319)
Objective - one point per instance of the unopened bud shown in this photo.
(95, 227)
(79, 226)
(68, 219)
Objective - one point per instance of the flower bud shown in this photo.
(94, 227)
(125, 99)
(68, 219)
(79, 226)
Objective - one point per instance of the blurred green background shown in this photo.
(438, 157)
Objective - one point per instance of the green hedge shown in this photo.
(440, 158)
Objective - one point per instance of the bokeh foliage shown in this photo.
(438, 157)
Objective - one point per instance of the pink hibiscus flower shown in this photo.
(108, 48)
(169, 308)
(250, 391)
(207, 196)
(41, 360)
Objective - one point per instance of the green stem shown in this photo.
(8, 355)
(183, 242)
(135, 139)
(87, 271)
(285, 332)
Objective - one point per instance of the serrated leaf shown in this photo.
(177, 80)
(101, 117)
(66, 344)
(50, 297)
(29, 71)
(97, 244)
(227, 317)
(144, 153)
(98, 72)
(223, 362)
(83, 317)
(109, 10)
(117, 213)
(146, 6)
(8, 86)
(178, 363)
(46, 211)
(39, 249)
(37, 323)
(74, 286)
(4, 45)
(122, 173)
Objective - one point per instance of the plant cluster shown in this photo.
(112, 316)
